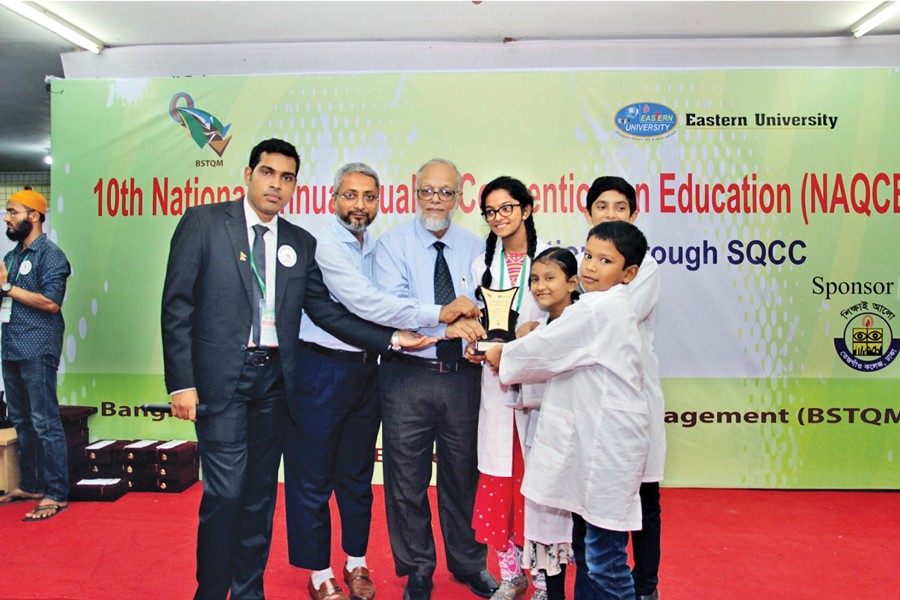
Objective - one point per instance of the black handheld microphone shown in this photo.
(167, 409)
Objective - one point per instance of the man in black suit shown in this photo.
(237, 280)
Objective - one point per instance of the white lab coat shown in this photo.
(496, 415)
(544, 524)
(643, 292)
(591, 443)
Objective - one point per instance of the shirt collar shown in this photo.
(427, 238)
(346, 236)
(35, 245)
(253, 219)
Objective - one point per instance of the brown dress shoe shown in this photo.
(359, 583)
(330, 590)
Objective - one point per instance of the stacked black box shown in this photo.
(103, 476)
(140, 458)
(114, 467)
(179, 466)
(105, 458)
(75, 425)
(98, 489)
(171, 466)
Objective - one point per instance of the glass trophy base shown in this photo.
(482, 346)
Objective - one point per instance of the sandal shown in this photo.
(18, 495)
(42, 512)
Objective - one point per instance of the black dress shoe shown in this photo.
(418, 587)
(481, 583)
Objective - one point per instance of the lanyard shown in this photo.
(525, 269)
(259, 280)
(12, 265)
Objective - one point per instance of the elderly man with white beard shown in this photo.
(431, 397)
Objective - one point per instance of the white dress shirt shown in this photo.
(271, 240)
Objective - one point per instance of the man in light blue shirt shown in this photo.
(431, 396)
(331, 449)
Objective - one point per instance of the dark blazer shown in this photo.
(207, 303)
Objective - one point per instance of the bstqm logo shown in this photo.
(201, 126)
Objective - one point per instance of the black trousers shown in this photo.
(645, 543)
(421, 410)
(330, 449)
(240, 451)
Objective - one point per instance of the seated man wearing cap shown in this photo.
(32, 286)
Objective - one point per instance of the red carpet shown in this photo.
(735, 544)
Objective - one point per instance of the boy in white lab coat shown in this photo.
(612, 198)
(591, 443)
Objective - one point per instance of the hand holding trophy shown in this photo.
(499, 318)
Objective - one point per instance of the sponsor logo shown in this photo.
(646, 121)
(201, 126)
(868, 343)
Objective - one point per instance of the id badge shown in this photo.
(5, 310)
(267, 335)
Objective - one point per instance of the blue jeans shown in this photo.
(601, 555)
(34, 411)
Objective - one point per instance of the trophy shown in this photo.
(499, 318)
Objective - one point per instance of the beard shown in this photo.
(354, 227)
(20, 231)
(435, 225)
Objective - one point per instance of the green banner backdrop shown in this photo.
(770, 199)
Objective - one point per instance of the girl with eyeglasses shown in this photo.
(498, 518)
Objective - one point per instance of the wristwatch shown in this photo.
(6, 287)
(395, 341)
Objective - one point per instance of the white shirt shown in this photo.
(271, 240)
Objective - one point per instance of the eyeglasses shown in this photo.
(354, 197)
(505, 210)
(444, 194)
(13, 212)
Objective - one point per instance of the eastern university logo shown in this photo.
(868, 343)
(202, 127)
(646, 121)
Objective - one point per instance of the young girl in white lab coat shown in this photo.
(548, 531)
(507, 207)
(592, 438)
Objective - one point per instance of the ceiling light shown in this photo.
(882, 13)
(54, 24)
